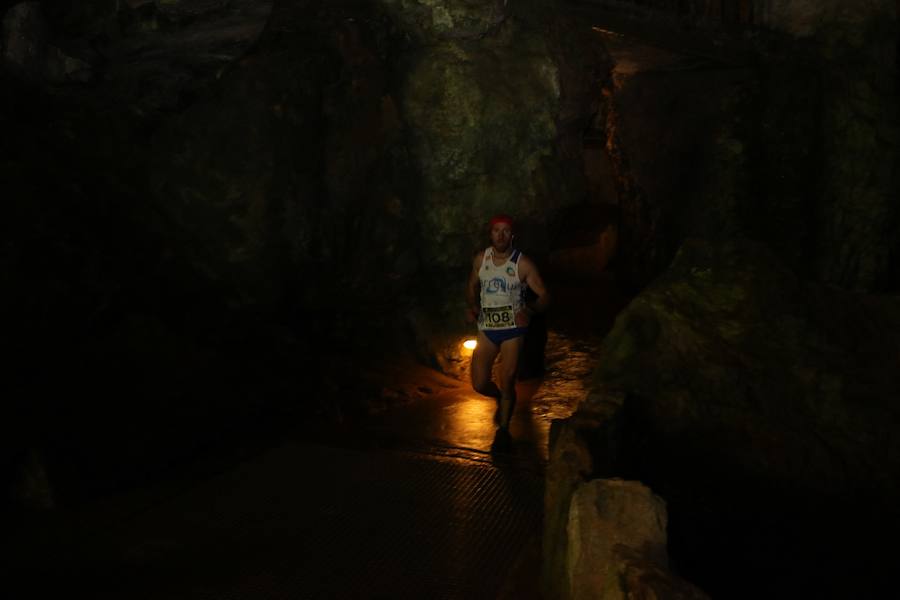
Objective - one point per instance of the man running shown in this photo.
(495, 296)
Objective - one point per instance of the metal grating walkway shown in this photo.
(306, 521)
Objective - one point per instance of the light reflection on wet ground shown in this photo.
(428, 410)
(570, 363)
(453, 416)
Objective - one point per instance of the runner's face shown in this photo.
(501, 236)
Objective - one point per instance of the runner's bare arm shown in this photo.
(528, 273)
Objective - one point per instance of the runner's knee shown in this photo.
(509, 376)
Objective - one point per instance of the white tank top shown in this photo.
(502, 292)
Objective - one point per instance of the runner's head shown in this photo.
(501, 231)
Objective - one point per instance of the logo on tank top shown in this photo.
(496, 286)
(510, 270)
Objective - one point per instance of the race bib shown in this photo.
(498, 317)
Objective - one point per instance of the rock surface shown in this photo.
(681, 162)
(604, 515)
(24, 40)
(760, 406)
(789, 381)
(796, 138)
(581, 447)
(642, 578)
(491, 115)
(614, 542)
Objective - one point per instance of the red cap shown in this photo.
(500, 219)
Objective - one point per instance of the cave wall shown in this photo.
(758, 217)
(677, 137)
(793, 131)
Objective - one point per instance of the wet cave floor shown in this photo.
(413, 500)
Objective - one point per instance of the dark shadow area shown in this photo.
(743, 537)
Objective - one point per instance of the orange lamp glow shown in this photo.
(470, 344)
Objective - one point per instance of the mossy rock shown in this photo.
(729, 354)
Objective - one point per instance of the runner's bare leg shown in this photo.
(482, 364)
(509, 358)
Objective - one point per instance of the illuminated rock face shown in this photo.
(487, 97)
(607, 512)
(482, 119)
(617, 545)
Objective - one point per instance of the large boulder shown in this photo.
(789, 380)
(603, 538)
(581, 448)
(606, 514)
